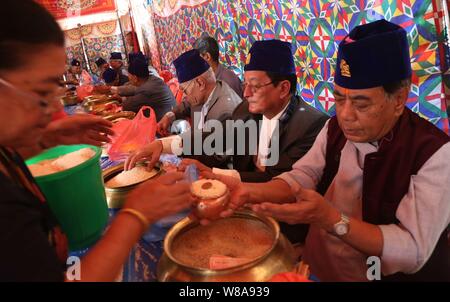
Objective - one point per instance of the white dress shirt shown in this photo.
(268, 127)
(173, 144)
(204, 111)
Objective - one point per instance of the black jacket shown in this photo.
(299, 126)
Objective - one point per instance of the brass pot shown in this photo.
(100, 108)
(279, 258)
(120, 115)
(115, 197)
(88, 101)
(97, 97)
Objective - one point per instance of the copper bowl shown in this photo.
(210, 208)
(97, 97)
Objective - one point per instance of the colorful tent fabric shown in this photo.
(315, 27)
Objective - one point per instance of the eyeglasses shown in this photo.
(255, 88)
(43, 104)
(184, 90)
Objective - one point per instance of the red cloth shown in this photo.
(166, 75)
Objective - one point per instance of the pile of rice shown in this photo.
(232, 238)
(125, 178)
(208, 188)
(61, 163)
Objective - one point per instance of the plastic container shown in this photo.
(76, 196)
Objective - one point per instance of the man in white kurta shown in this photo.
(383, 171)
(423, 213)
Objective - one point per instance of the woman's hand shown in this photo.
(77, 129)
(150, 152)
(161, 197)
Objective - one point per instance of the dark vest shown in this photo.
(386, 178)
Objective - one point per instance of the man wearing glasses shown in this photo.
(205, 98)
(270, 86)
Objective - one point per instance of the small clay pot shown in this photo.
(210, 208)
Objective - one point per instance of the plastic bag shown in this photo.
(191, 174)
(169, 162)
(160, 228)
(86, 88)
(85, 78)
(138, 133)
(84, 91)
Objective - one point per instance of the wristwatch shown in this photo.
(342, 227)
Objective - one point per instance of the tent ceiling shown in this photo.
(91, 12)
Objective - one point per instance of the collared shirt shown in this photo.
(423, 212)
(265, 136)
(229, 77)
(123, 71)
(204, 110)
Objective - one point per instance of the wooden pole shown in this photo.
(83, 47)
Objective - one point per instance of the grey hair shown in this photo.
(392, 88)
(209, 76)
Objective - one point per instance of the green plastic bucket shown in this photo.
(76, 196)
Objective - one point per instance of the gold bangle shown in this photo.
(138, 215)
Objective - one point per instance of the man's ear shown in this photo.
(201, 82)
(285, 88)
(207, 57)
(400, 99)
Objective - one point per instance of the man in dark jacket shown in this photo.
(150, 91)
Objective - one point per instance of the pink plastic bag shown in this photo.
(86, 78)
(86, 88)
(133, 135)
(120, 127)
(84, 91)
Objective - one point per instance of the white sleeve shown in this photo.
(172, 144)
(424, 213)
(227, 172)
(308, 170)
